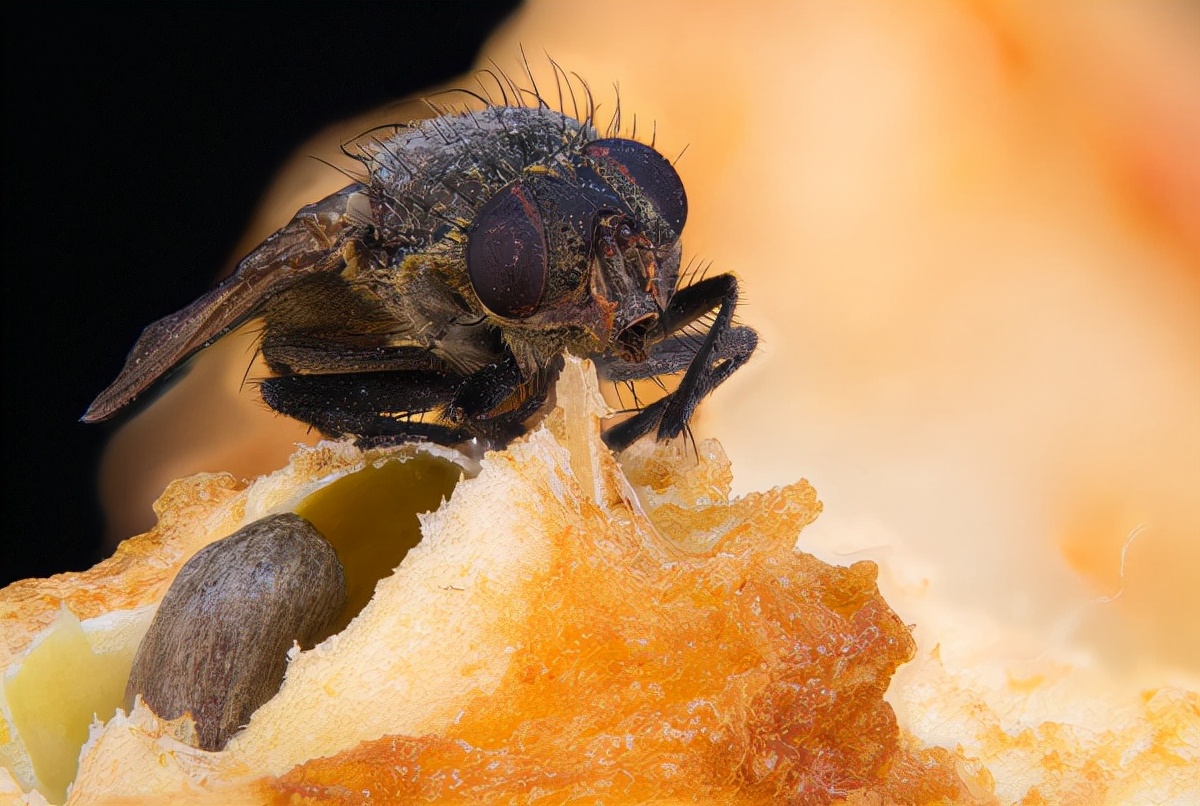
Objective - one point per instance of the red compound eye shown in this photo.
(506, 253)
(648, 171)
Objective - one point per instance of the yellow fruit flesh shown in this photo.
(370, 518)
(54, 695)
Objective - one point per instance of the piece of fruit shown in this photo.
(571, 627)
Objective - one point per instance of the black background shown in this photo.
(129, 130)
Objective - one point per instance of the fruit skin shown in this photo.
(218, 646)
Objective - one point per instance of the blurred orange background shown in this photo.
(969, 236)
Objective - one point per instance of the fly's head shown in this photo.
(585, 247)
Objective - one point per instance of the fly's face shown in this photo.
(587, 244)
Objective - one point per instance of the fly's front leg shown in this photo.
(724, 349)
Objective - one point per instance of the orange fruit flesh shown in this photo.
(744, 671)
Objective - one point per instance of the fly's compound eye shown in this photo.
(648, 171)
(506, 253)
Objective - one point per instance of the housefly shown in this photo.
(433, 297)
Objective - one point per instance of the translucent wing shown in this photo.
(307, 245)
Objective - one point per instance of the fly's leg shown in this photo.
(376, 406)
(674, 354)
(311, 354)
(724, 349)
(494, 402)
(486, 389)
(370, 392)
(386, 387)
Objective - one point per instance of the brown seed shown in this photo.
(218, 645)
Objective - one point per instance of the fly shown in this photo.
(433, 298)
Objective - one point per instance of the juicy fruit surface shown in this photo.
(662, 664)
(751, 670)
(568, 628)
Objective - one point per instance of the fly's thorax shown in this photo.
(432, 175)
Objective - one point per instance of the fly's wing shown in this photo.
(306, 246)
